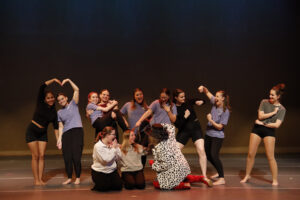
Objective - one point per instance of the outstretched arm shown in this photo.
(143, 117)
(75, 88)
(204, 90)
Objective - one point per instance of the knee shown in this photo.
(41, 156)
(251, 155)
(35, 156)
(201, 151)
(271, 158)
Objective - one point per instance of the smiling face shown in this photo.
(62, 100)
(164, 98)
(104, 96)
(138, 96)
(49, 98)
(180, 99)
(93, 98)
(219, 99)
(131, 138)
(273, 97)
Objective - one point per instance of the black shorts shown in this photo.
(34, 133)
(263, 131)
(193, 131)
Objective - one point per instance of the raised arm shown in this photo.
(108, 107)
(204, 90)
(53, 80)
(75, 88)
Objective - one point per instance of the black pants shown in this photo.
(134, 180)
(72, 146)
(106, 120)
(212, 149)
(105, 182)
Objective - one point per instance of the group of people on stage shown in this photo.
(145, 129)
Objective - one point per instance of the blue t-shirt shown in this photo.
(70, 116)
(159, 114)
(133, 115)
(220, 117)
(96, 113)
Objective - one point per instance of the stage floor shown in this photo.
(16, 181)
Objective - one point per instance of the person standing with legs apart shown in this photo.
(270, 116)
(70, 133)
(189, 127)
(217, 120)
(36, 133)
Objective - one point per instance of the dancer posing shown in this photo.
(132, 168)
(189, 126)
(105, 154)
(36, 133)
(163, 110)
(107, 117)
(217, 120)
(134, 111)
(70, 133)
(270, 116)
(173, 171)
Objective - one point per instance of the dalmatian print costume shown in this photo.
(169, 162)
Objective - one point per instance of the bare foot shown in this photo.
(42, 182)
(68, 181)
(215, 176)
(37, 183)
(77, 181)
(220, 181)
(245, 179)
(275, 183)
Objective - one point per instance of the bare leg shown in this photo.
(253, 145)
(202, 155)
(33, 146)
(180, 145)
(270, 148)
(42, 148)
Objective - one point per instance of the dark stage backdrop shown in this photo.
(244, 47)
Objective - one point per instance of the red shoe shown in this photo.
(182, 186)
(151, 162)
(156, 184)
(196, 178)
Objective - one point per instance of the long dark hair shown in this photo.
(144, 104)
(226, 104)
(176, 93)
(167, 92)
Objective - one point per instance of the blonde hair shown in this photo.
(125, 144)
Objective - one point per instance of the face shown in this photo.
(131, 137)
(111, 136)
(181, 98)
(219, 100)
(139, 97)
(104, 96)
(49, 99)
(62, 100)
(164, 97)
(273, 97)
(94, 98)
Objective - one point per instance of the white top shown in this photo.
(104, 158)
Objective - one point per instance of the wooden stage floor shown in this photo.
(16, 181)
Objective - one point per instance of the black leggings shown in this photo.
(105, 182)
(212, 149)
(134, 180)
(72, 146)
(106, 120)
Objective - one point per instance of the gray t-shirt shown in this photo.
(220, 117)
(267, 107)
(159, 114)
(96, 113)
(133, 115)
(70, 116)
